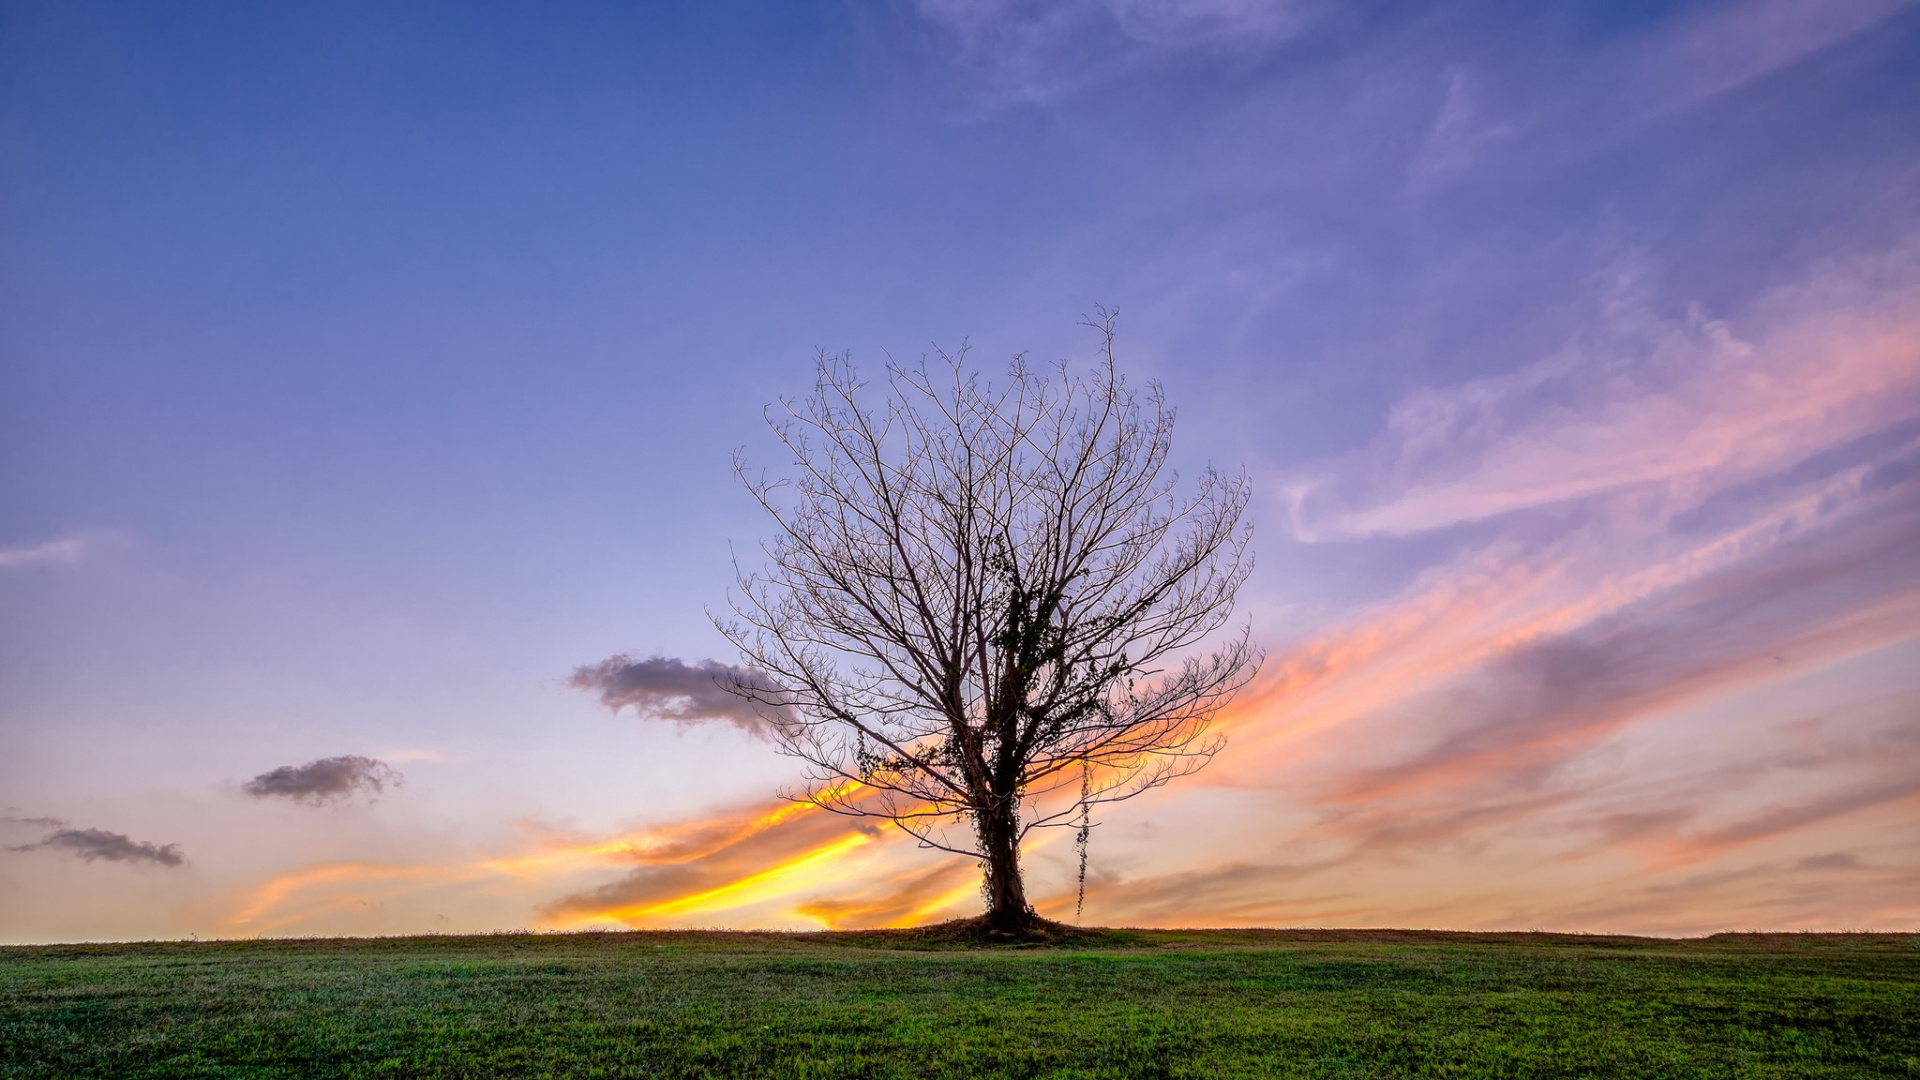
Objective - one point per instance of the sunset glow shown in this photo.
(368, 387)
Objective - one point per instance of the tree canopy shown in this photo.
(982, 603)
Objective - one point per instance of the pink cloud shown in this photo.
(1666, 412)
(1653, 532)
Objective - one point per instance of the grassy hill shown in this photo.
(918, 1004)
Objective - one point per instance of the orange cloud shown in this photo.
(291, 898)
(809, 867)
(678, 870)
(907, 898)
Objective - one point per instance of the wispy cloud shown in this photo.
(299, 897)
(52, 551)
(1539, 702)
(1668, 411)
(1028, 52)
(1895, 786)
(325, 780)
(1728, 45)
(1463, 128)
(1676, 512)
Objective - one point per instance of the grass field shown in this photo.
(1103, 1004)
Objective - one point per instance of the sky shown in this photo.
(368, 370)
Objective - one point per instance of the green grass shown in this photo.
(1105, 1004)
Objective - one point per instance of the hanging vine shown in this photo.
(1080, 837)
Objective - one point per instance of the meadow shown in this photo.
(906, 1004)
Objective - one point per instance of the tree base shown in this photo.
(986, 930)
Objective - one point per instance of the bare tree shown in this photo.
(982, 600)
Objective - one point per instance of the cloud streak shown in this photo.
(1017, 52)
(1669, 411)
(52, 551)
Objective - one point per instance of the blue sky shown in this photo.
(367, 369)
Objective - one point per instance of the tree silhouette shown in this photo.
(980, 605)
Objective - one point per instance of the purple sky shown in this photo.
(367, 370)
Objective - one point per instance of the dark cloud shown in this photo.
(328, 778)
(664, 688)
(92, 844)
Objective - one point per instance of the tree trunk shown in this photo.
(1007, 910)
